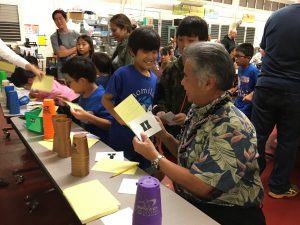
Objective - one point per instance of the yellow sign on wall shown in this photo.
(181, 9)
(188, 10)
(197, 11)
(248, 18)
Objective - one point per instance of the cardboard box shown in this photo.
(75, 15)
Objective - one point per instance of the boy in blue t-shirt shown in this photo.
(103, 66)
(135, 79)
(247, 77)
(80, 75)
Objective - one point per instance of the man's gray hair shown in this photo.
(211, 59)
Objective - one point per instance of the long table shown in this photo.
(175, 210)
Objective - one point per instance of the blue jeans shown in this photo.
(281, 108)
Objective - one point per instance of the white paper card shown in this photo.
(168, 117)
(109, 155)
(145, 123)
(128, 186)
(124, 215)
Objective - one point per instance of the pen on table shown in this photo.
(125, 170)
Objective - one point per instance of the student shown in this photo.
(165, 57)
(135, 79)
(121, 28)
(247, 76)
(80, 75)
(170, 94)
(103, 66)
(84, 46)
(23, 78)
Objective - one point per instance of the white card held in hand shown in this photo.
(145, 123)
(109, 155)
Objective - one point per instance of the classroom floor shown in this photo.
(13, 155)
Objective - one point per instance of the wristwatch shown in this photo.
(155, 162)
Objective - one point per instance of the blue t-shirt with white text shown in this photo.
(124, 82)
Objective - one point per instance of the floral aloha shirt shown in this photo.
(218, 146)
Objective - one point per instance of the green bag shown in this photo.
(33, 121)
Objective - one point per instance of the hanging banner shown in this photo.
(196, 11)
(211, 13)
(181, 9)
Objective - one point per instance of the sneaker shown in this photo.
(293, 191)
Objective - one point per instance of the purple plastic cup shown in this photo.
(147, 206)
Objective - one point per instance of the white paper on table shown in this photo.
(145, 123)
(124, 215)
(109, 155)
(168, 117)
(128, 186)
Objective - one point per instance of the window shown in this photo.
(260, 4)
(9, 23)
(250, 33)
(214, 31)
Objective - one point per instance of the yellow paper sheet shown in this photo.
(129, 109)
(91, 200)
(73, 105)
(114, 166)
(7, 67)
(45, 84)
(48, 144)
(91, 141)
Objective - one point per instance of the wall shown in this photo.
(39, 12)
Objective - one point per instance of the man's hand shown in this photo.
(179, 118)
(36, 71)
(145, 147)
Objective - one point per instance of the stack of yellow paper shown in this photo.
(91, 200)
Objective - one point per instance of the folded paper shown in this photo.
(135, 117)
(44, 84)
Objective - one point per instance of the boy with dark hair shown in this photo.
(247, 76)
(24, 78)
(135, 79)
(103, 66)
(80, 75)
(171, 94)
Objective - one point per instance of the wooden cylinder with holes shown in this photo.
(62, 139)
(56, 130)
(80, 156)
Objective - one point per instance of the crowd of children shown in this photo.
(98, 83)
